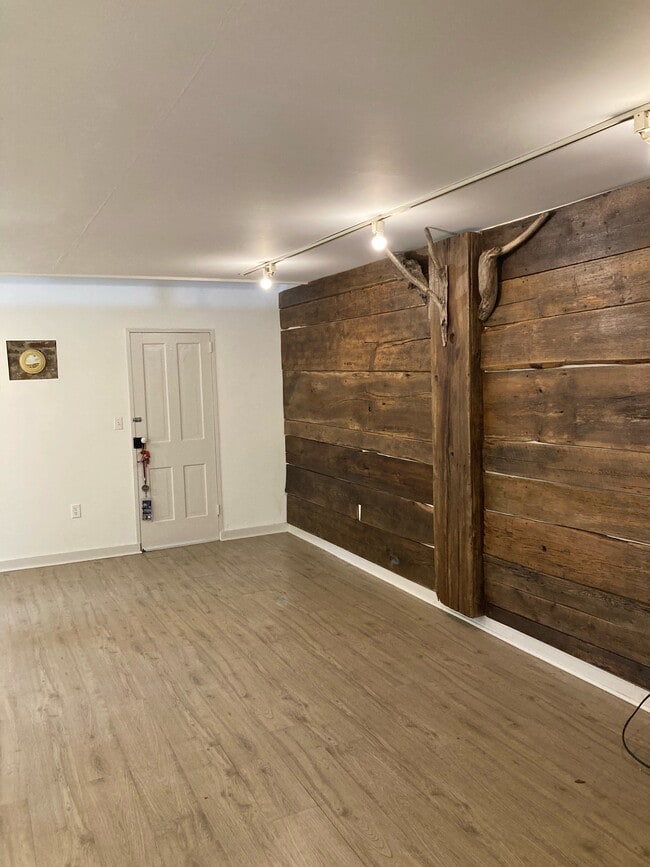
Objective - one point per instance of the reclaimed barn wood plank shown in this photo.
(595, 228)
(605, 619)
(606, 406)
(405, 518)
(610, 282)
(613, 334)
(402, 556)
(398, 515)
(334, 494)
(381, 402)
(594, 630)
(613, 565)
(379, 298)
(457, 433)
(616, 664)
(387, 444)
(385, 341)
(607, 469)
(380, 271)
(612, 513)
(407, 479)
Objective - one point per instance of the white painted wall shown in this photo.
(57, 443)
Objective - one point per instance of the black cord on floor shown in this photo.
(628, 721)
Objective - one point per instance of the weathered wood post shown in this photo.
(452, 291)
(458, 432)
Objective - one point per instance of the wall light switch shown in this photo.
(118, 423)
(75, 510)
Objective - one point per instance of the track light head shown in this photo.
(642, 124)
(378, 238)
(267, 279)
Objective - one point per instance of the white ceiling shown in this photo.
(193, 139)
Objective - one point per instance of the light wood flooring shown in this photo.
(259, 702)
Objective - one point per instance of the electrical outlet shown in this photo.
(118, 423)
(75, 510)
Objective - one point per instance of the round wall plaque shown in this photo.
(32, 361)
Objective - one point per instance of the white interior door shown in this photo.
(173, 396)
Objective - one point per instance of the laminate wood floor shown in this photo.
(259, 702)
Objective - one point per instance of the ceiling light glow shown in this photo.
(379, 241)
(267, 279)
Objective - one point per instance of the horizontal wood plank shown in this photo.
(585, 558)
(613, 334)
(386, 341)
(628, 669)
(334, 494)
(603, 619)
(402, 556)
(397, 515)
(606, 406)
(612, 513)
(610, 282)
(380, 298)
(381, 402)
(604, 225)
(408, 479)
(606, 469)
(387, 444)
(380, 271)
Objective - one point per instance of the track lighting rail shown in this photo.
(451, 188)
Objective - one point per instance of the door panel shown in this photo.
(156, 390)
(173, 394)
(196, 493)
(161, 483)
(190, 375)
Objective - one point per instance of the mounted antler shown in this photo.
(488, 278)
(438, 285)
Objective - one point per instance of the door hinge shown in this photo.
(210, 346)
(218, 509)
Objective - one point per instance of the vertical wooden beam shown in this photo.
(458, 433)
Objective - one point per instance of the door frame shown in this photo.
(215, 419)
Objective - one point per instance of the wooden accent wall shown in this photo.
(566, 356)
(565, 361)
(356, 355)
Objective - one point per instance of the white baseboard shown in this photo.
(227, 535)
(623, 689)
(246, 532)
(124, 550)
(68, 557)
(166, 547)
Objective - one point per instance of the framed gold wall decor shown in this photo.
(32, 359)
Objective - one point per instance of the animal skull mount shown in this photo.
(488, 277)
(437, 287)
